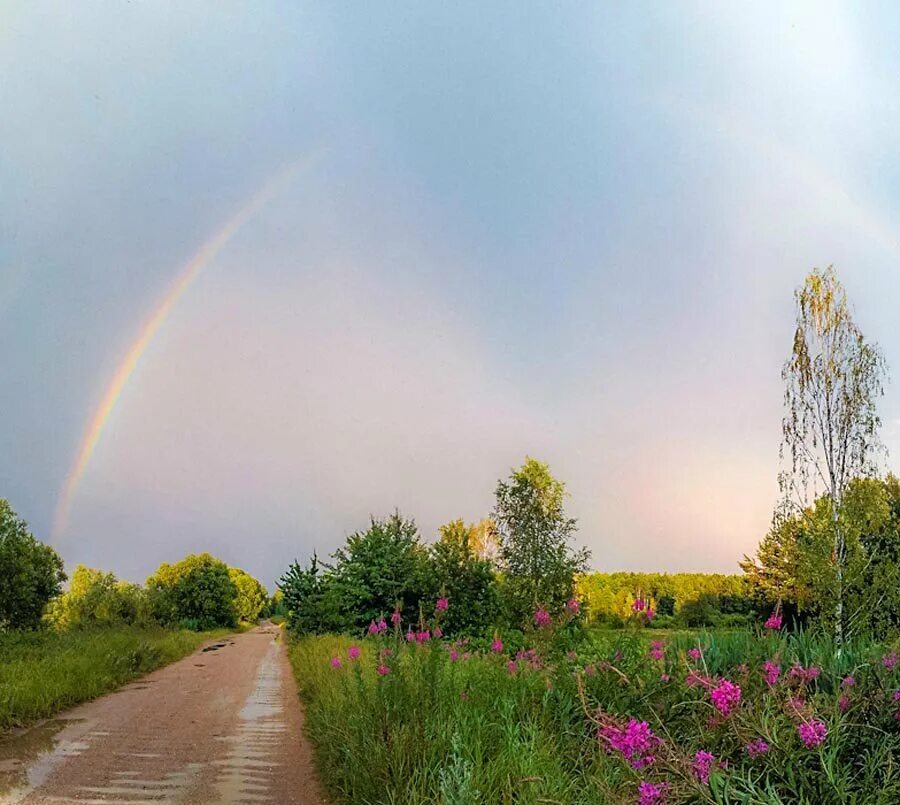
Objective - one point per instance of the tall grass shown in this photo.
(44, 672)
(445, 729)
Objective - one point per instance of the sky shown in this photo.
(299, 264)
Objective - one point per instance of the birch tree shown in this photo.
(833, 380)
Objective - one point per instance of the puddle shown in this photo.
(217, 646)
(28, 756)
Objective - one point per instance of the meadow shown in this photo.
(568, 715)
(43, 672)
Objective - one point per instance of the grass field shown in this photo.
(44, 672)
(695, 717)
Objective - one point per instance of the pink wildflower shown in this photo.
(396, 617)
(658, 650)
(896, 696)
(774, 621)
(512, 666)
(812, 733)
(454, 655)
(890, 660)
(382, 626)
(772, 672)
(497, 645)
(805, 674)
(651, 794)
(353, 652)
(725, 697)
(590, 670)
(410, 636)
(442, 604)
(636, 742)
(844, 703)
(848, 682)
(423, 636)
(542, 618)
(664, 678)
(438, 633)
(573, 606)
(373, 629)
(383, 670)
(695, 653)
(757, 748)
(702, 766)
(651, 613)
(335, 662)
(637, 605)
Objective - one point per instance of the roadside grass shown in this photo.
(443, 724)
(46, 671)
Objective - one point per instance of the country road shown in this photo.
(223, 725)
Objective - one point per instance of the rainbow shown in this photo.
(200, 260)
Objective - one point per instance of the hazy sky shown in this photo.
(564, 230)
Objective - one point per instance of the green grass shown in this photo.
(44, 672)
(434, 730)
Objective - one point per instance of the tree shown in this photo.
(465, 577)
(31, 573)
(95, 598)
(534, 533)
(303, 598)
(830, 429)
(251, 597)
(378, 569)
(196, 592)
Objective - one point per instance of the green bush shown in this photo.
(198, 591)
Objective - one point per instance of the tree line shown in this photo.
(200, 592)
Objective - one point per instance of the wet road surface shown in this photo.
(223, 725)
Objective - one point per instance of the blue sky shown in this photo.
(569, 231)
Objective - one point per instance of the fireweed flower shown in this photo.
(774, 622)
(454, 655)
(636, 742)
(702, 765)
(812, 733)
(438, 634)
(664, 678)
(844, 703)
(542, 618)
(512, 666)
(848, 682)
(650, 794)
(373, 629)
(637, 605)
(771, 671)
(573, 606)
(650, 613)
(383, 670)
(423, 636)
(897, 695)
(396, 618)
(802, 674)
(726, 696)
(353, 652)
(382, 626)
(890, 660)
(657, 650)
(497, 645)
(442, 604)
(409, 635)
(757, 748)
(335, 662)
(695, 653)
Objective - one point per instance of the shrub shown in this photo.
(95, 598)
(251, 598)
(198, 591)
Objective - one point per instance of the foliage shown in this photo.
(437, 721)
(31, 573)
(833, 380)
(303, 598)
(251, 598)
(465, 578)
(197, 592)
(694, 599)
(46, 671)
(95, 598)
(795, 564)
(534, 533)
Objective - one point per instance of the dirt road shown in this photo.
(220, 726)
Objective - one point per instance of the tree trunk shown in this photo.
(839, 550)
